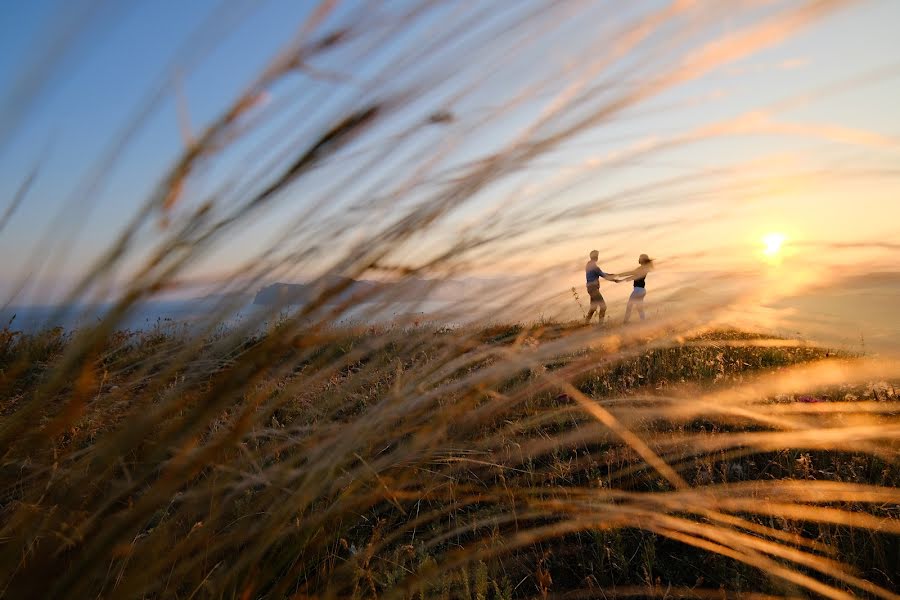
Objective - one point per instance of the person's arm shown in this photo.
(609, 276)
(628, 276)
(638, 273)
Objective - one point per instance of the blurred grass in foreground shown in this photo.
(421, 460)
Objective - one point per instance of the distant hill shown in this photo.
(363, 290)
(880, 281)
(301, 293)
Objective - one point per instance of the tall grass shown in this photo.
(299, 456)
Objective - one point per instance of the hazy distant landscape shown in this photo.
(858, 313)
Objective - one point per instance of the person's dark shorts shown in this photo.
(596, 296)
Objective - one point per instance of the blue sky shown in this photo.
(99, 87)
(124, 52)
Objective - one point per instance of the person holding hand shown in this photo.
(639, 276)
(593, 273)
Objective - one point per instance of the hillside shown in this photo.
(483, 463)
(338, 289)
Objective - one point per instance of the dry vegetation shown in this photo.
(345, 462)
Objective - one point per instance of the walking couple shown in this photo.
(639, 276)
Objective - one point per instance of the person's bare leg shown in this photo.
(601, 311)
(589, 315)
(628, 308)
(641, 310)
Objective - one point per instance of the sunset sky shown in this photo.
(800, 139)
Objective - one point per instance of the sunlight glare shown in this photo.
(773, 242)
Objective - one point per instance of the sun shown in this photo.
(773, 242)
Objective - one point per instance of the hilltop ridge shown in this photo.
(364, 290)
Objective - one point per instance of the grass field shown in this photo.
(493, 462)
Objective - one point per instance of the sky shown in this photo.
(801, 137)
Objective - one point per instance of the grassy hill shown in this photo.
(491, 462)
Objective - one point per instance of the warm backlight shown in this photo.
(773, 243)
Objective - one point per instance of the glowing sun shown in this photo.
(773, 242)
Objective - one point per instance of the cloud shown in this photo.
(794, 63)
(760, 122)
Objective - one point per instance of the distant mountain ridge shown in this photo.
(364, 290)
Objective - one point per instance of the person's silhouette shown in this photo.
(639, 276)
(593, 273)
